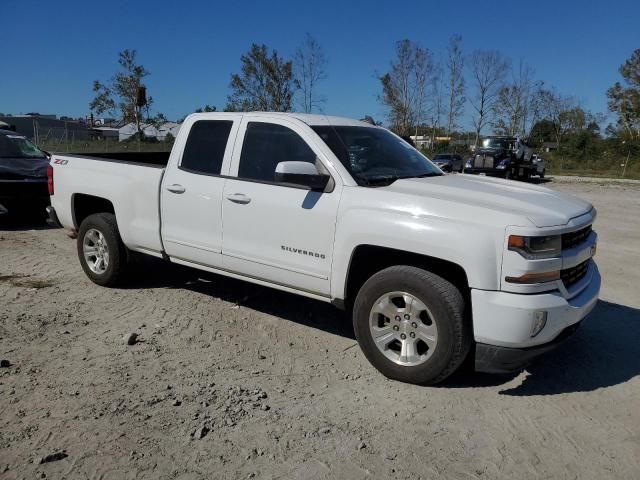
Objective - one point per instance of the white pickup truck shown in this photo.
(433, 267)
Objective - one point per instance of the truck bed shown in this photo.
(130, 181)
(152, 159)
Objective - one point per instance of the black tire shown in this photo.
(542, 174)
(447, 306)
(106, 224)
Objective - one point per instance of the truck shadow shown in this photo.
(602, 353)
(23, 222)
(149, 272)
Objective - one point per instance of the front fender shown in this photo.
(475, 247)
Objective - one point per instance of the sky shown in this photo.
(54, 50)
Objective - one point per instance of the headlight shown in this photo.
(503, 164)
(535, 248)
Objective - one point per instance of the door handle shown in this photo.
(240, 198)
(175, 188)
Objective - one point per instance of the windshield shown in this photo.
(17, 146)
(497, 143)
(441, 157)
(374, 156)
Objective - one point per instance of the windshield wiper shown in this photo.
(423, 175)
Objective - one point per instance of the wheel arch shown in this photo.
(83, 205)
(367, 260)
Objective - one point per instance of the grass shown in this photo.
(597, 166)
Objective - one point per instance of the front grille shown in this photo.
(572, 239)
(573, 275)
(483, 161)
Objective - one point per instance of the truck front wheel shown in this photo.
(410, 325)
(102, 254)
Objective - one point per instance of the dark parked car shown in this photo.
(449, 162)
(23, 174)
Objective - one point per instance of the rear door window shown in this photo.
(205, 147)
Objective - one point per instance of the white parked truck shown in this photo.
(433, 267)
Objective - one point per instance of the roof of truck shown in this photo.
(308, 118)
(315, 119)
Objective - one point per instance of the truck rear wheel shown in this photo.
(410, 325)
(102, 254)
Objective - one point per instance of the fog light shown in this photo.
(539, 321)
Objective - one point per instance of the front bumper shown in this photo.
(495, 359)
(502, 322)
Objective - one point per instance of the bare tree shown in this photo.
(488, 70)
(455, 81)
(557, 108)
(437, 101)
(404, 87)
(309, 64)
(514, 108)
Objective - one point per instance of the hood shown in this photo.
(24, 167)
(542, 206)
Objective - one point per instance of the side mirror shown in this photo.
(304, 174)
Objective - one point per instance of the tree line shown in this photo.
(266, 82)
(421, 91)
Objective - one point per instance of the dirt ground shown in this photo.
(230, 380)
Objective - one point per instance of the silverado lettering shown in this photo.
(303, 252)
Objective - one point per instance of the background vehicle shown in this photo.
(348, 213)
(23, 174)
(502, 156)
(539, 164)
(449, 162)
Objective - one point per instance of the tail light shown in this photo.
(50, 179)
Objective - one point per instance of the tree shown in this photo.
(516, 106)
(437, 104)
(169, 138)
(543, 131)
(404, 87)
(121, 91)
(207, 108)
(488, 71)
(158, 120)
(554, 107)
(265, 83)
(371, 120)
(624, 100)
(455, 82)
(309, 64)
